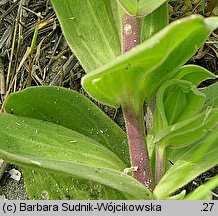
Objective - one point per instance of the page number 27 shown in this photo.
(207, 206)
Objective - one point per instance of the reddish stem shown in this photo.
(138, 147)
(135, 120)
(131, 32)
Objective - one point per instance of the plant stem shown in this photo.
(160, 163)
(131, 32)
(138, 146)
(134, 120)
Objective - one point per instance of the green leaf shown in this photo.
(194, 74)
(56, 186)
(90, 27)
(74, 111)
(189, 131)
(176, 101)
(189, 162)
(211, 96)
(141, 7)
(44, 145)
(204, 191)
(69, 109)
(139, 73)
(53, 142)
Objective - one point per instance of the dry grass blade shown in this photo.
(13, 44)
(26, 55)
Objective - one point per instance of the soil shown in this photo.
(53, 63)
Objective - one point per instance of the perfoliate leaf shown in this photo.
(47, 146)
(139, 73)
(141, 7)
(194, 74)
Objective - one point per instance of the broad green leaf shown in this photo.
(72, 110)
(189, 131)
(53, 142)
(203, 191)
(139, 73)
(141, 7)
(176, 101)
(194, 74)
(47, 146)
(211, 93)
(189, 162)
(90, 27)
(69, 109)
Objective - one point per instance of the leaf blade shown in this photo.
(94, 162)
(71, 110)
(89, 25)
(53, 141)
